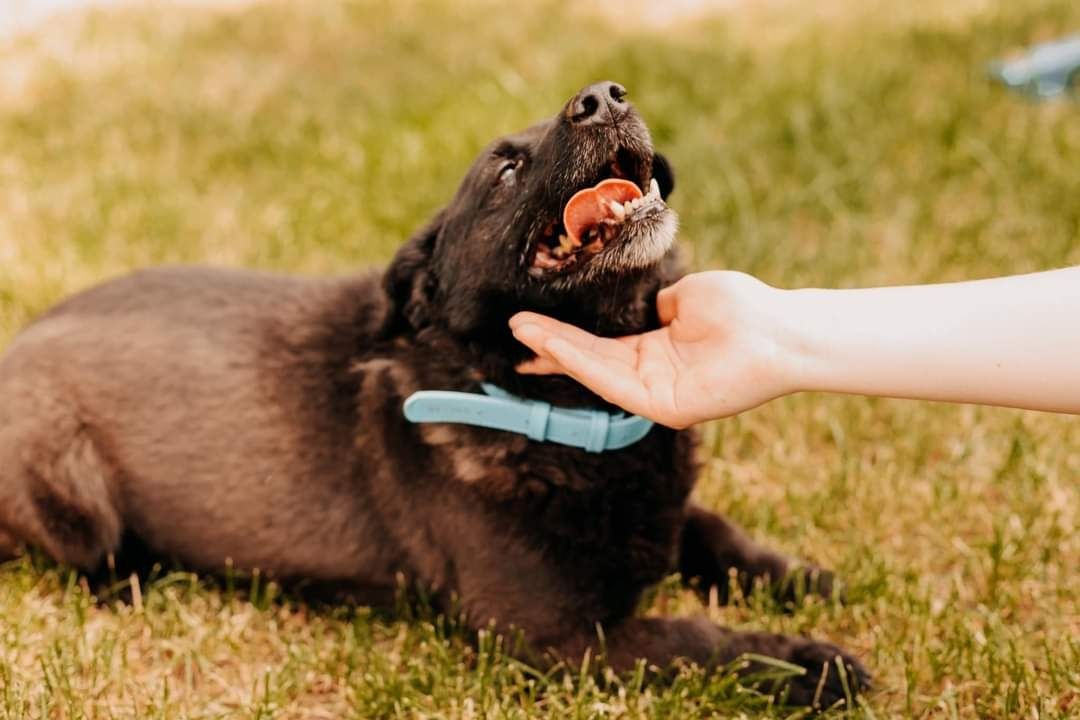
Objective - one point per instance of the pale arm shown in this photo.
(1011, 341)
(731, 342)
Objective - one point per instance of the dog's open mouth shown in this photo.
(592, 219)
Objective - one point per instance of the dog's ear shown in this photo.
(409, 282)
(665, 176)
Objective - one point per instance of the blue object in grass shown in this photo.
(591, 430)
(1045, 71)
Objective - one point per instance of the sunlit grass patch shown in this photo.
(856, 147)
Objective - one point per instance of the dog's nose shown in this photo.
(603, 103)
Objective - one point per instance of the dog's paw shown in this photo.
(833, 677)
(806, 580)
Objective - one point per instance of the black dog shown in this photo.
(225, 416)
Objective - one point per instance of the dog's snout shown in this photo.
(603, 103)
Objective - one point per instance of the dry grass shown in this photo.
(814, 147)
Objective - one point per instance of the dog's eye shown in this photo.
(508, 171)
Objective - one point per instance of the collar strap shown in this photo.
(592, 430)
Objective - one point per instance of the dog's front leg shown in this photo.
(662, 643)
(714, 549)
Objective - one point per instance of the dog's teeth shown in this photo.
(654, 188)
(544, 260)
(617, 210)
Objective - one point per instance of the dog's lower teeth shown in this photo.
(544, 260)
(592, 241)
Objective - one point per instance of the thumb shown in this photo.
(667, 304)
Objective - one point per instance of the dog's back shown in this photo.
(162, 395)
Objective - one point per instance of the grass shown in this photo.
(854, 147)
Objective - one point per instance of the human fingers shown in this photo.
(539, 328)
(526, 318)
(540, 366)
(615, 382)
(534, 337)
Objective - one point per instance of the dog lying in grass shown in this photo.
(221, 417)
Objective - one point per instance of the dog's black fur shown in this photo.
(226, 416)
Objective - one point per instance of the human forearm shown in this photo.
(1011, 341)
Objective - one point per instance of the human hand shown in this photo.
(718, 353)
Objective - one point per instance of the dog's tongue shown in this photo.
(589, 207)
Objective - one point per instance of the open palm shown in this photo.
(710, 358)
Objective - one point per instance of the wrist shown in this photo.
(798, 357)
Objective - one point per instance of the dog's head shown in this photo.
(567, 217)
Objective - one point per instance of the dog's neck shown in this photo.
(493, 353)
(479, 345)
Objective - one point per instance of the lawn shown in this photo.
(849, 145)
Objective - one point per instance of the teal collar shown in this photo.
(591, 430)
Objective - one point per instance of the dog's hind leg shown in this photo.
(56, 487)
(713, 549)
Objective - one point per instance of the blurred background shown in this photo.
(837, 143)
